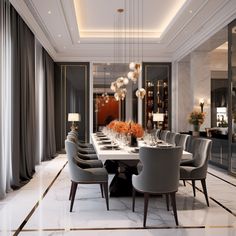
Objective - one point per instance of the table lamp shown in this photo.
(158, 117)
(73, 117)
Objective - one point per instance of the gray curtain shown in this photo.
(49, 142)
(23, 101)
(5, 98)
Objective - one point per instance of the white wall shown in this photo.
(219, 60)
(201, 83)
(185, 98)
(194, 82)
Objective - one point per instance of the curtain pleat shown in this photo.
(27, 119)
(23, 109)
(5, 98)
(49, 144)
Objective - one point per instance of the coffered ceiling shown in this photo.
(92, 30)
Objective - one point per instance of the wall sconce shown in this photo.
(73, 117)
(201, 103)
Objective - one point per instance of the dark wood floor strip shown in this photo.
(226, 181)
(126, 228)
(20, 228)
(117, 228)
(220, 204)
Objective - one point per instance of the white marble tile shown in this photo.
(90, 217)
(17, 205)
(141, 232)
(90, 211)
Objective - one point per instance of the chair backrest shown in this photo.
(163, 134)
(71, 133)
(74, 132)
(157, 134)
(201, 155)
(76, 173)
(160, 172)
(72, 138)
(181, 140)
(170, 138)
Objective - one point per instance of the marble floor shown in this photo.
(42, 208)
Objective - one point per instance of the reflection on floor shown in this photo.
(42, 208)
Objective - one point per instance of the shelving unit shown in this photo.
(156, 80)
(157, 100)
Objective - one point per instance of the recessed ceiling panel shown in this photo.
(148, 16)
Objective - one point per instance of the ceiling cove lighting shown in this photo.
(91, 29)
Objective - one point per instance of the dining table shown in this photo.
(106, 149)
(122, 160)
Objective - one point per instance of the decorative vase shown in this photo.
(133, 141)
(149, 126)
(196, 128)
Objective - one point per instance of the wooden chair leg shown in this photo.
(184, 182)
(70, 191)
(101, 187)
(193, 185)
(173, 201)
(105, 185)
(133, 204)
(73, 191)
(203, 181)
(167, 201)
(146, 199)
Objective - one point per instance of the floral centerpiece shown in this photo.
(196, 118)
(130, 127)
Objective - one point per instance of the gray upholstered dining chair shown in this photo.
(80, 175)
(181, 140)
(86, 162)
(159, 175)
(84, 155)
(83, 150)
(80, 143)
(170, 138)
(196, 169)
(163, 134)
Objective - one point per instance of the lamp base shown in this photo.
(74, 127)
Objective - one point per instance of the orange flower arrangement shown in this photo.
(136, 130)
(112, 124)
(126, 128)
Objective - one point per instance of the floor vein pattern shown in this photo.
(42, 208)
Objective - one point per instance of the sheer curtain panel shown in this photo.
(5, 98)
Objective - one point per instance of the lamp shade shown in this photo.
(158, 116)
(73, 117)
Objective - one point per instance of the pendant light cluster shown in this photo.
(119, 89)
(118, 86)
(105, 96)
(135, 71)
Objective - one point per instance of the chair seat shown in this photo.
(87, 156)
(186, 172)
(99, 174)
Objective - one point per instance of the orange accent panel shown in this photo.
(109, 109)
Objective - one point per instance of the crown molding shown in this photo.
(30, 20)
(220, 19)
